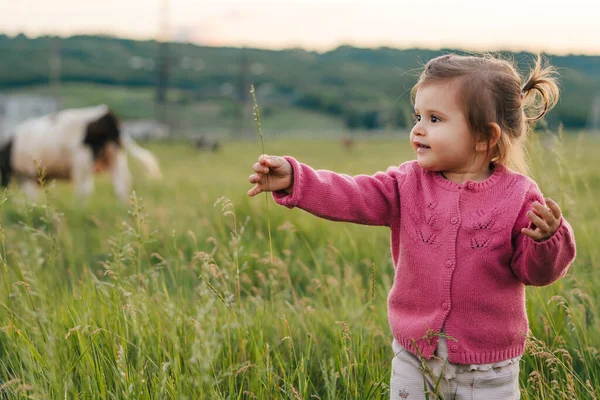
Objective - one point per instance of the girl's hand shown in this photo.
(279, 172)
(545, 219)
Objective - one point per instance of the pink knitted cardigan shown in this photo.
(460, 259)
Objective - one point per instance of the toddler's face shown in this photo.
(441, 138)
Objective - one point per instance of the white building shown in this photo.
(145, 129)
(15, 109)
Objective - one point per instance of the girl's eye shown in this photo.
(434, 119)
(416, 118)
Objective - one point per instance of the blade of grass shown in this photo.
(262, 143)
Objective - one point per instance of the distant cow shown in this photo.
(348, 143)
(206, 143)
(72, 144)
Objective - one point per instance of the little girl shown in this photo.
(468, 229)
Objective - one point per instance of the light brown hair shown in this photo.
(491, 90)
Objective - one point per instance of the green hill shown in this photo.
(366, 88)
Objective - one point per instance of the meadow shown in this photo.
(175, 294)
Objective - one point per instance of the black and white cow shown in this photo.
(73, 145)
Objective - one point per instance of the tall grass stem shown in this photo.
(262, 143)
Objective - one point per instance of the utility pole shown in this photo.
(54, 65)
(594, 119)
(162, 63)
(240, 97)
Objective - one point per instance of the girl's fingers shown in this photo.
(554, 208)
(254, 191)
(537, 221)
(254, 178)
(271, 161)
(545, 219)
(536, 235)
(257, 167)
(551, 216)
(542, 211)
(265, 160)
(262, 171)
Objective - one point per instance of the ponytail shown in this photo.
(542, 80)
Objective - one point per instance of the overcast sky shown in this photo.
(565, 26)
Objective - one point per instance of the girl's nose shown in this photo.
(418, 130)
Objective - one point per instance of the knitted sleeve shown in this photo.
(541, 263)
(362, 199)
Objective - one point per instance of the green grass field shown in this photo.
(175, 296)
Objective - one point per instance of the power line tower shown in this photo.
(240, 95)
(594, 116)
(162, 64)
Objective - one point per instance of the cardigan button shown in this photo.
(449, 263)
(454, 221)
(444, 306)
(454, 348)
(471, 185)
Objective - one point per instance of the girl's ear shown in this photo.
(495, 132)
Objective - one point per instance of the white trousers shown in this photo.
(498, 381)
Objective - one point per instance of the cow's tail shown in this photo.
(144, 156)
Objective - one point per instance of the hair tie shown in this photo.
(523, 94)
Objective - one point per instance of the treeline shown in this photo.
(367, 88)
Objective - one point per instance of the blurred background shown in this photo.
(183, 69)
(193, 290)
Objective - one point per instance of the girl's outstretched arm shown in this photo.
(362, 199)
